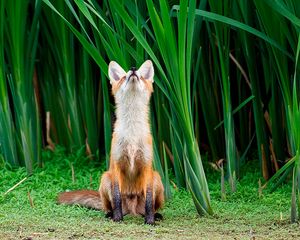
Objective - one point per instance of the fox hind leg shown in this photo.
(158, 190)
(106, 191)
(111, 197)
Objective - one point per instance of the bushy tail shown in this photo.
(85, 198)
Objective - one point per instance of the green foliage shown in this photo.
(62, 98)
(21, 140)
(226, 83)
(243, 212)
(7, 137)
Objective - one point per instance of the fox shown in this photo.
(130, 185)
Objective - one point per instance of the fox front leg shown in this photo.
(149, 207)
(117, 214)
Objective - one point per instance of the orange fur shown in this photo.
(86, 198)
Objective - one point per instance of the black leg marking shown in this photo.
(117, 201)
(149, 211)
(158, 217)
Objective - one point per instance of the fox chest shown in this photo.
(131, 154)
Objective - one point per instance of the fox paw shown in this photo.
(117, 217)
(158, 217)
(150, 220)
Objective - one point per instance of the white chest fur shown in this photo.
(132, 129)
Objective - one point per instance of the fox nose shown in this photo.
(133, 69)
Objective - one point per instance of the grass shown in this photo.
(212, 59)
(243, 215)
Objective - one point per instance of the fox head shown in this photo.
(135, 83)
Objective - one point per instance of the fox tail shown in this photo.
(86, 198)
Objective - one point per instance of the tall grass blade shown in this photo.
(21, 44)
(7, 128)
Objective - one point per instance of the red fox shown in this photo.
(130, 186)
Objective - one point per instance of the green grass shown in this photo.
(224, 74)
(243, 215)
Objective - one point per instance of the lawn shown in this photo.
(243, 215)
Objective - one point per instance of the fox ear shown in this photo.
(147, 70)
(115, 72)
